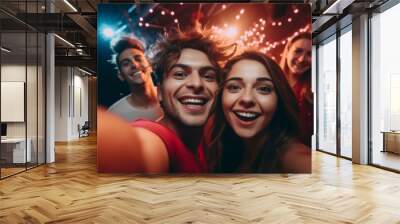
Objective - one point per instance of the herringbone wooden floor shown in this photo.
(71, 191)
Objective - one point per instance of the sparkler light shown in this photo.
(253, 36)
(108, 32)
(231, 32)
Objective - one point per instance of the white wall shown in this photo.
(61, 103)
(71, 102)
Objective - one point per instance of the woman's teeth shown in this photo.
(246, 116)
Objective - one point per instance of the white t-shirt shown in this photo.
(125, 110)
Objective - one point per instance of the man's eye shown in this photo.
(125, 63)
(210, 76)
(264, 89)
(139, 59)
(179, 75)
(233, 88)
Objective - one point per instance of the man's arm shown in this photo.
(122, 148)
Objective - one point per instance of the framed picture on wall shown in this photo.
(12, 101)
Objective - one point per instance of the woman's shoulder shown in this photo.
(296, 158)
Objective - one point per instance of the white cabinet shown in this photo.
(16, 148)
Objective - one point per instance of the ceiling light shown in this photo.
(70, 5)
(84, 71)
(65, 41)
(5, 50)
(337, 7)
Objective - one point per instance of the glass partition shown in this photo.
(22, 89)
(31, 99)
(13, 105)
(41, 107)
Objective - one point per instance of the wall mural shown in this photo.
(204, 88)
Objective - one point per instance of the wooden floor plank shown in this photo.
(71, 191)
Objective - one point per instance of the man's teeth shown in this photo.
(246, 114)
(192, 101)
(137, 73)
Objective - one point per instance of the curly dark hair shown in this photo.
(169, 48)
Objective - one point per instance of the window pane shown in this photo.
(327, 97)
(385, 86)
(345, 94)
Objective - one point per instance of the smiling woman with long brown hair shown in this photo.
(296, 65)
(255, 125)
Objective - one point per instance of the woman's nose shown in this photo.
(247, 99)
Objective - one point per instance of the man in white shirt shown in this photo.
(135, 70)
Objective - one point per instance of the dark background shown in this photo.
(279, 22)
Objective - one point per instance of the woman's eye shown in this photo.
(233, 88)
(298, 51)
(264, 89)
(180, 75)
(139, 59)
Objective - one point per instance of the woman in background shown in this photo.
(255, 124)
(296, 65)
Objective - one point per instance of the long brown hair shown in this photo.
(305, 79)
(226, 148)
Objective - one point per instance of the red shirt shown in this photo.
(181, 159)
(306, 115)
